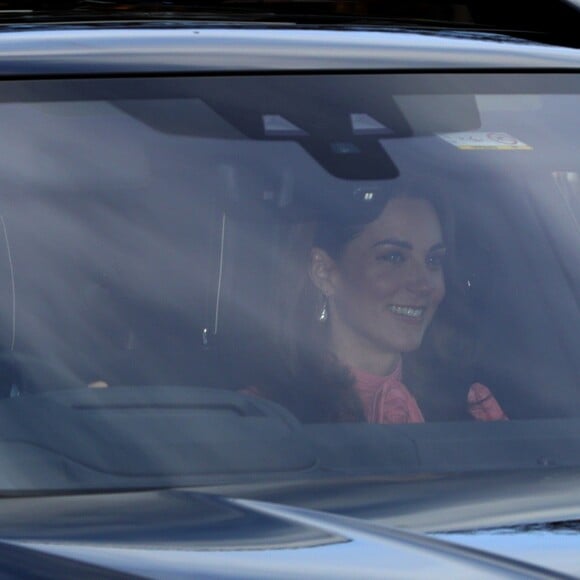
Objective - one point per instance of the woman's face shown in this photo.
(386, 286)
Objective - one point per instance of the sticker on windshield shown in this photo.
(485, 140)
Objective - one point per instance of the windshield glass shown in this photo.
(227, 277)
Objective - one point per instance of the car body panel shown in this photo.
(432, 503)
(544, 547)
(223, 537)
(204, 49)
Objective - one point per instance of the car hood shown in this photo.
(177, 533)
(544, 546)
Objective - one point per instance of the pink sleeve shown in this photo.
(483, 406)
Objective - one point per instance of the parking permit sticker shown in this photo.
(484, 140)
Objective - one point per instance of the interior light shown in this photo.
(363, 124)
(276, 125)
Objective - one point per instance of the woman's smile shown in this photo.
(414, 313)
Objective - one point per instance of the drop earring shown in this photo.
(323, 317)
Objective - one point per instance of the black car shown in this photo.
(288, 289)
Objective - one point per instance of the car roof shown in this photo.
(118, 50)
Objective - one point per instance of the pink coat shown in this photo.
(387, 400)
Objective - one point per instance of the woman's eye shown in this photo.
(393, 257)
(436, 261)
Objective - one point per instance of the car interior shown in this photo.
(134, 298)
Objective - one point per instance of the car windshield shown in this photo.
(218, 278)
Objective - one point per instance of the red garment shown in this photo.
(482, 404)
(385, 399)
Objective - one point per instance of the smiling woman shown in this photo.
(376, 279)
(384, 287)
